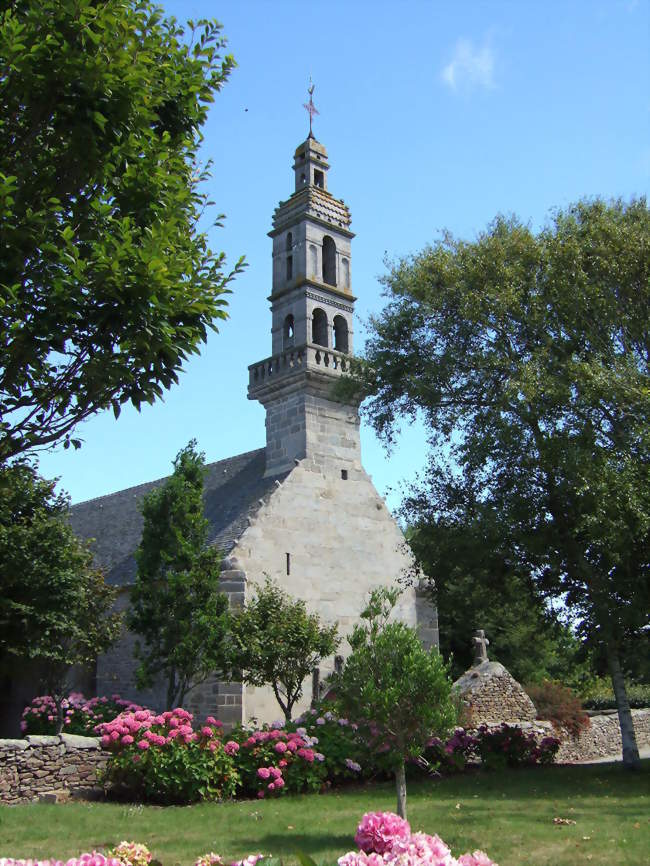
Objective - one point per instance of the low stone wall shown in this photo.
(50, 767)
(603, 737)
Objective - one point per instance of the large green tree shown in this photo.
(55, 608)
(107, 283)
(476, 582)
(527, 355)
(177, 608)
(276, 642)
(399, 689)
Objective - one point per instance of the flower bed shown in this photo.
(384, 839)
(78, 714)
(161, 758)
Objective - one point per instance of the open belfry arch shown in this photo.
(302, 509)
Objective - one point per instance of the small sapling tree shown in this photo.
(278, 643)
(177, 607)
(399, 689)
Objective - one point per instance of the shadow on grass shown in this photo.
(309, 843)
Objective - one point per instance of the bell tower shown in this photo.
(312, 309)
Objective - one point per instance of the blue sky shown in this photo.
(435, 115)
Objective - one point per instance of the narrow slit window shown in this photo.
(288, 563)
(344, 474)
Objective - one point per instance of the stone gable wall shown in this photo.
(50, 767)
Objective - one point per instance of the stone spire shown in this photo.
(312, 309)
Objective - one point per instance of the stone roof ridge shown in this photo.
(136, 488)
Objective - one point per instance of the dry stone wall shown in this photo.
(50, 767)
(491, 694)
(603, 737)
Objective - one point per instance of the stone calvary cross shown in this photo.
(481, 644)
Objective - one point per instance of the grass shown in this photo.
(508, 814)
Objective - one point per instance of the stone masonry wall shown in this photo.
(491, 694)
(49, 766)
(603, 737)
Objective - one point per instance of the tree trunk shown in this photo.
(628, 737)
(400, 784)
(171, 689)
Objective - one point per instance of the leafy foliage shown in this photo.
(161, 758)
(54, 606)
(177, 607)
(558, 704)
(390, 682)
(80, 715)
(277, 642)
(528, 353)
(480, 584)
(107, 284)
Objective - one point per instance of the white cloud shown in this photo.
(470, 66)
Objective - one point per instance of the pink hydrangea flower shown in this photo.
(280, 747)
(478, 858)
(378, 830)
(231, 747)
(143, 745)
(263, 772)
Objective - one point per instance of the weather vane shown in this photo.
(309, 107)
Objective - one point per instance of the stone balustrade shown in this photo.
(309, 356)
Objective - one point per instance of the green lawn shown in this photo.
(509, 815)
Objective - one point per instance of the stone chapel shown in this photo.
(302, 509)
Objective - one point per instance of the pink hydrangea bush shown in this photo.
(93, 859)
(163, 758)
(80, 715)
(378, 831)
(385, 839)
(347, 756)
(273, 761)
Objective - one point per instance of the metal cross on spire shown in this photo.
(309, 107)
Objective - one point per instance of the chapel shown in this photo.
(301, 509)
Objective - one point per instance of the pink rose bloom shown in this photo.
(231, 747)
(280, 747)
(378, 830)
(263, 772)
(143, 745)
(126, 740)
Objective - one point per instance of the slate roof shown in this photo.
(232, 493)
